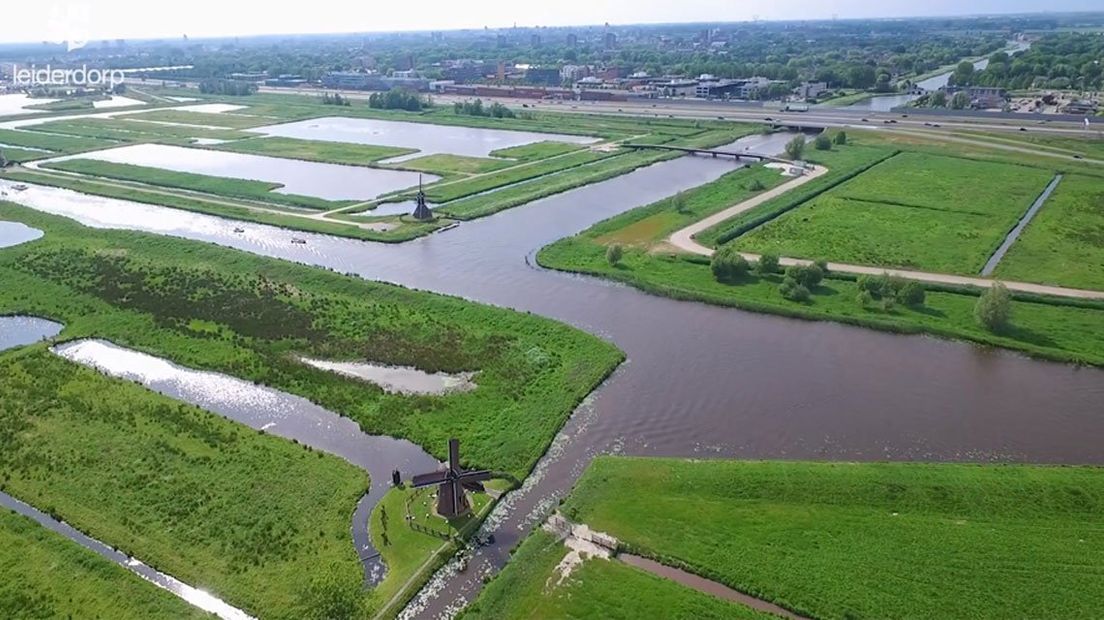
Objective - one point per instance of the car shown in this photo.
(769, 119)
(904, 116)
(720, 118)
(1077, 156)
(865, 120)
(1023, 128)
(935, 124)
(927, 124)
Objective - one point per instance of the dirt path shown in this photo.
(683, 240)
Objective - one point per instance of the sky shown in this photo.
(65, 20)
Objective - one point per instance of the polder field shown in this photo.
(880, 204)
(914, 210)
(459, 186)
(257, 520)
(824, 540)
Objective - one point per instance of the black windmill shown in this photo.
(452, 501)
(421, 210)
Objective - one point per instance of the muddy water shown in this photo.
(398, 379)
(700, 380)
(274, 412)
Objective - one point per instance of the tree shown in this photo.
(841, 138)
(768, 264)
(994, 308)
(911, 293)
(938, 99)
(795, 148)
(823, 142)
(793, 290)
(614, 254)
(679, 202)
(960, 100)
(728, 265)
(805, 275)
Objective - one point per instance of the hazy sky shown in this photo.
(54, 20)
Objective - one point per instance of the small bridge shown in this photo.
(711, 152)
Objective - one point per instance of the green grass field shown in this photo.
(881, 540)
(529, 587)
(1064, 244)
(444, 164)
(915, 211)
(315, 150)
(56, 144)
(247, 189)
(228, 120)
(537, 150)
(219, 506)
(134, 131)
(440, 193)
(43, 575)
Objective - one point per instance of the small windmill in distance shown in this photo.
(421, 210)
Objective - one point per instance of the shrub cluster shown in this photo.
(886, 290)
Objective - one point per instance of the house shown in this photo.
(810, 90)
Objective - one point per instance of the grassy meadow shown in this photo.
(44, 575)
(1064, 244)
(314, 150)
(878, 540)
(913, 211)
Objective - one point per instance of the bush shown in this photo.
(994, 308)
(912, 293)
(756, 185)
(806, 275)
(841, 138)
(768, 264)
(397, 99)
(795, 148)
(823, 142)
(728, 265)
(793, 290)
(614, 254)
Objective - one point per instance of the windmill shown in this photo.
(421, 211)
(452, 501)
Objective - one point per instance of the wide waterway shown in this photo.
(700, 380)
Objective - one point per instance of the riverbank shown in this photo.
(897, 540)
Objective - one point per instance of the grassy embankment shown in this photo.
(314, 150)
(182, 508)
(886, 540)
(406, 228)
(122, 130)
(914, 211)
(1044, 327)
(228, 120)
(43, 575)
(529, 587)
(246, 189)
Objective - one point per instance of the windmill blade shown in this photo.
(425, 480)
(474, 485)
(454, 456)
(480, 474)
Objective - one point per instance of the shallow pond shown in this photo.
(428, 139)
(17, 331)
(274, 412)
(15, 233)
(305, 178)
(398, 379)
(11, 105)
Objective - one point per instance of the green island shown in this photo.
(825, 540)
(216, 309)
(46, 576)
(1056, 328)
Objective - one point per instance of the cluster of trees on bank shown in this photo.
(335, 99)
(476, 108)
(398, 99)
(236, 88)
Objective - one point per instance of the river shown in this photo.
(700, 380)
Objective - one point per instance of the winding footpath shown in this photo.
(683, 240)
